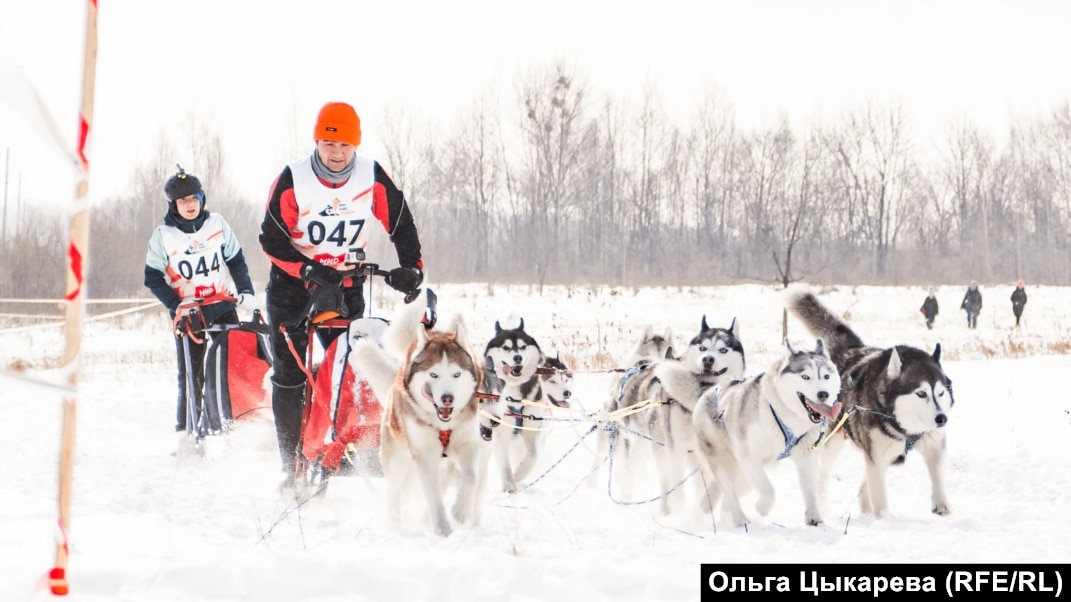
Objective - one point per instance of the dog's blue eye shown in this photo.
(457, 374)
(702, 348)
(805, 376)
(921, 394)
(723, 350)
(433, 375)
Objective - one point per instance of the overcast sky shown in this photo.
(259, 71)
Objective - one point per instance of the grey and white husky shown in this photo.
(897, 400)
(781, 413)
(714, 356)
(429, 432)
(650, 349)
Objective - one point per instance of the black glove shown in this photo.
(320, 274)
(405, 280)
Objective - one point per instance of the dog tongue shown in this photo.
(830, 413)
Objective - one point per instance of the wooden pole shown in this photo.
(77, 255)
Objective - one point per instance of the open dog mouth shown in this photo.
(817, 411)
(716, 372)
(512, 370)
(561, 403)
(445, 411)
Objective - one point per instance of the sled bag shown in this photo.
(235, 368)
(344, 408)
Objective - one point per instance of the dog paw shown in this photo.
(462, 515)
(813, 521)
(942, 509)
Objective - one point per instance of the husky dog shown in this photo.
(897, 399)
(774, 415)
(555, 381)
(513, 358)
(651, 348)
(714, 356)
(429, 425)
(524, 421)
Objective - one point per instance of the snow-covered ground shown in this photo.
(148, 526)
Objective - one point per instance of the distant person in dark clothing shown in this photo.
(1018, 300)
(929, 308)
(972, 303)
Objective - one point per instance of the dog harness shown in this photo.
(909, 440)
(516, 412)
(444, 438)
(633, 371)
(791, 439)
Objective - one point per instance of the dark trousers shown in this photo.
(286, 301)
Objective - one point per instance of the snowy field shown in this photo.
(147, 526)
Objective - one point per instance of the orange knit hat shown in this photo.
(338, 122)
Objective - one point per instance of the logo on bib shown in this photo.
(195, 248)
(334, 208)
(328, 260)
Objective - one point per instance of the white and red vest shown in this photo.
(331, 221)
(195, 263)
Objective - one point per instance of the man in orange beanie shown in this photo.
(317, 212)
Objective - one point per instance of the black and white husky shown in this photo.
(519, 405)
(897, 400)
(430, 430)
(781, 413)
(664, 396)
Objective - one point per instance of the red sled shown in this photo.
(340, 429)
(236, 368)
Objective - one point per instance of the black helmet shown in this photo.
(182, 185)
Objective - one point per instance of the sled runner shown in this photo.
(189, 326)
(340, 425)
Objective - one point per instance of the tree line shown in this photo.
(556, 186)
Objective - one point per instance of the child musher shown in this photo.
(195, 255)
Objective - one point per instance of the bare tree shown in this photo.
(553, 107)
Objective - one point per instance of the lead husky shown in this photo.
(525, 424)
(714, 356)
(897, 399)
(429, 425)
(780, 413)
(514, 357)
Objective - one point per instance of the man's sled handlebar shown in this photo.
(327, 298)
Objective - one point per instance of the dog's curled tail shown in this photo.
(821, 322)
